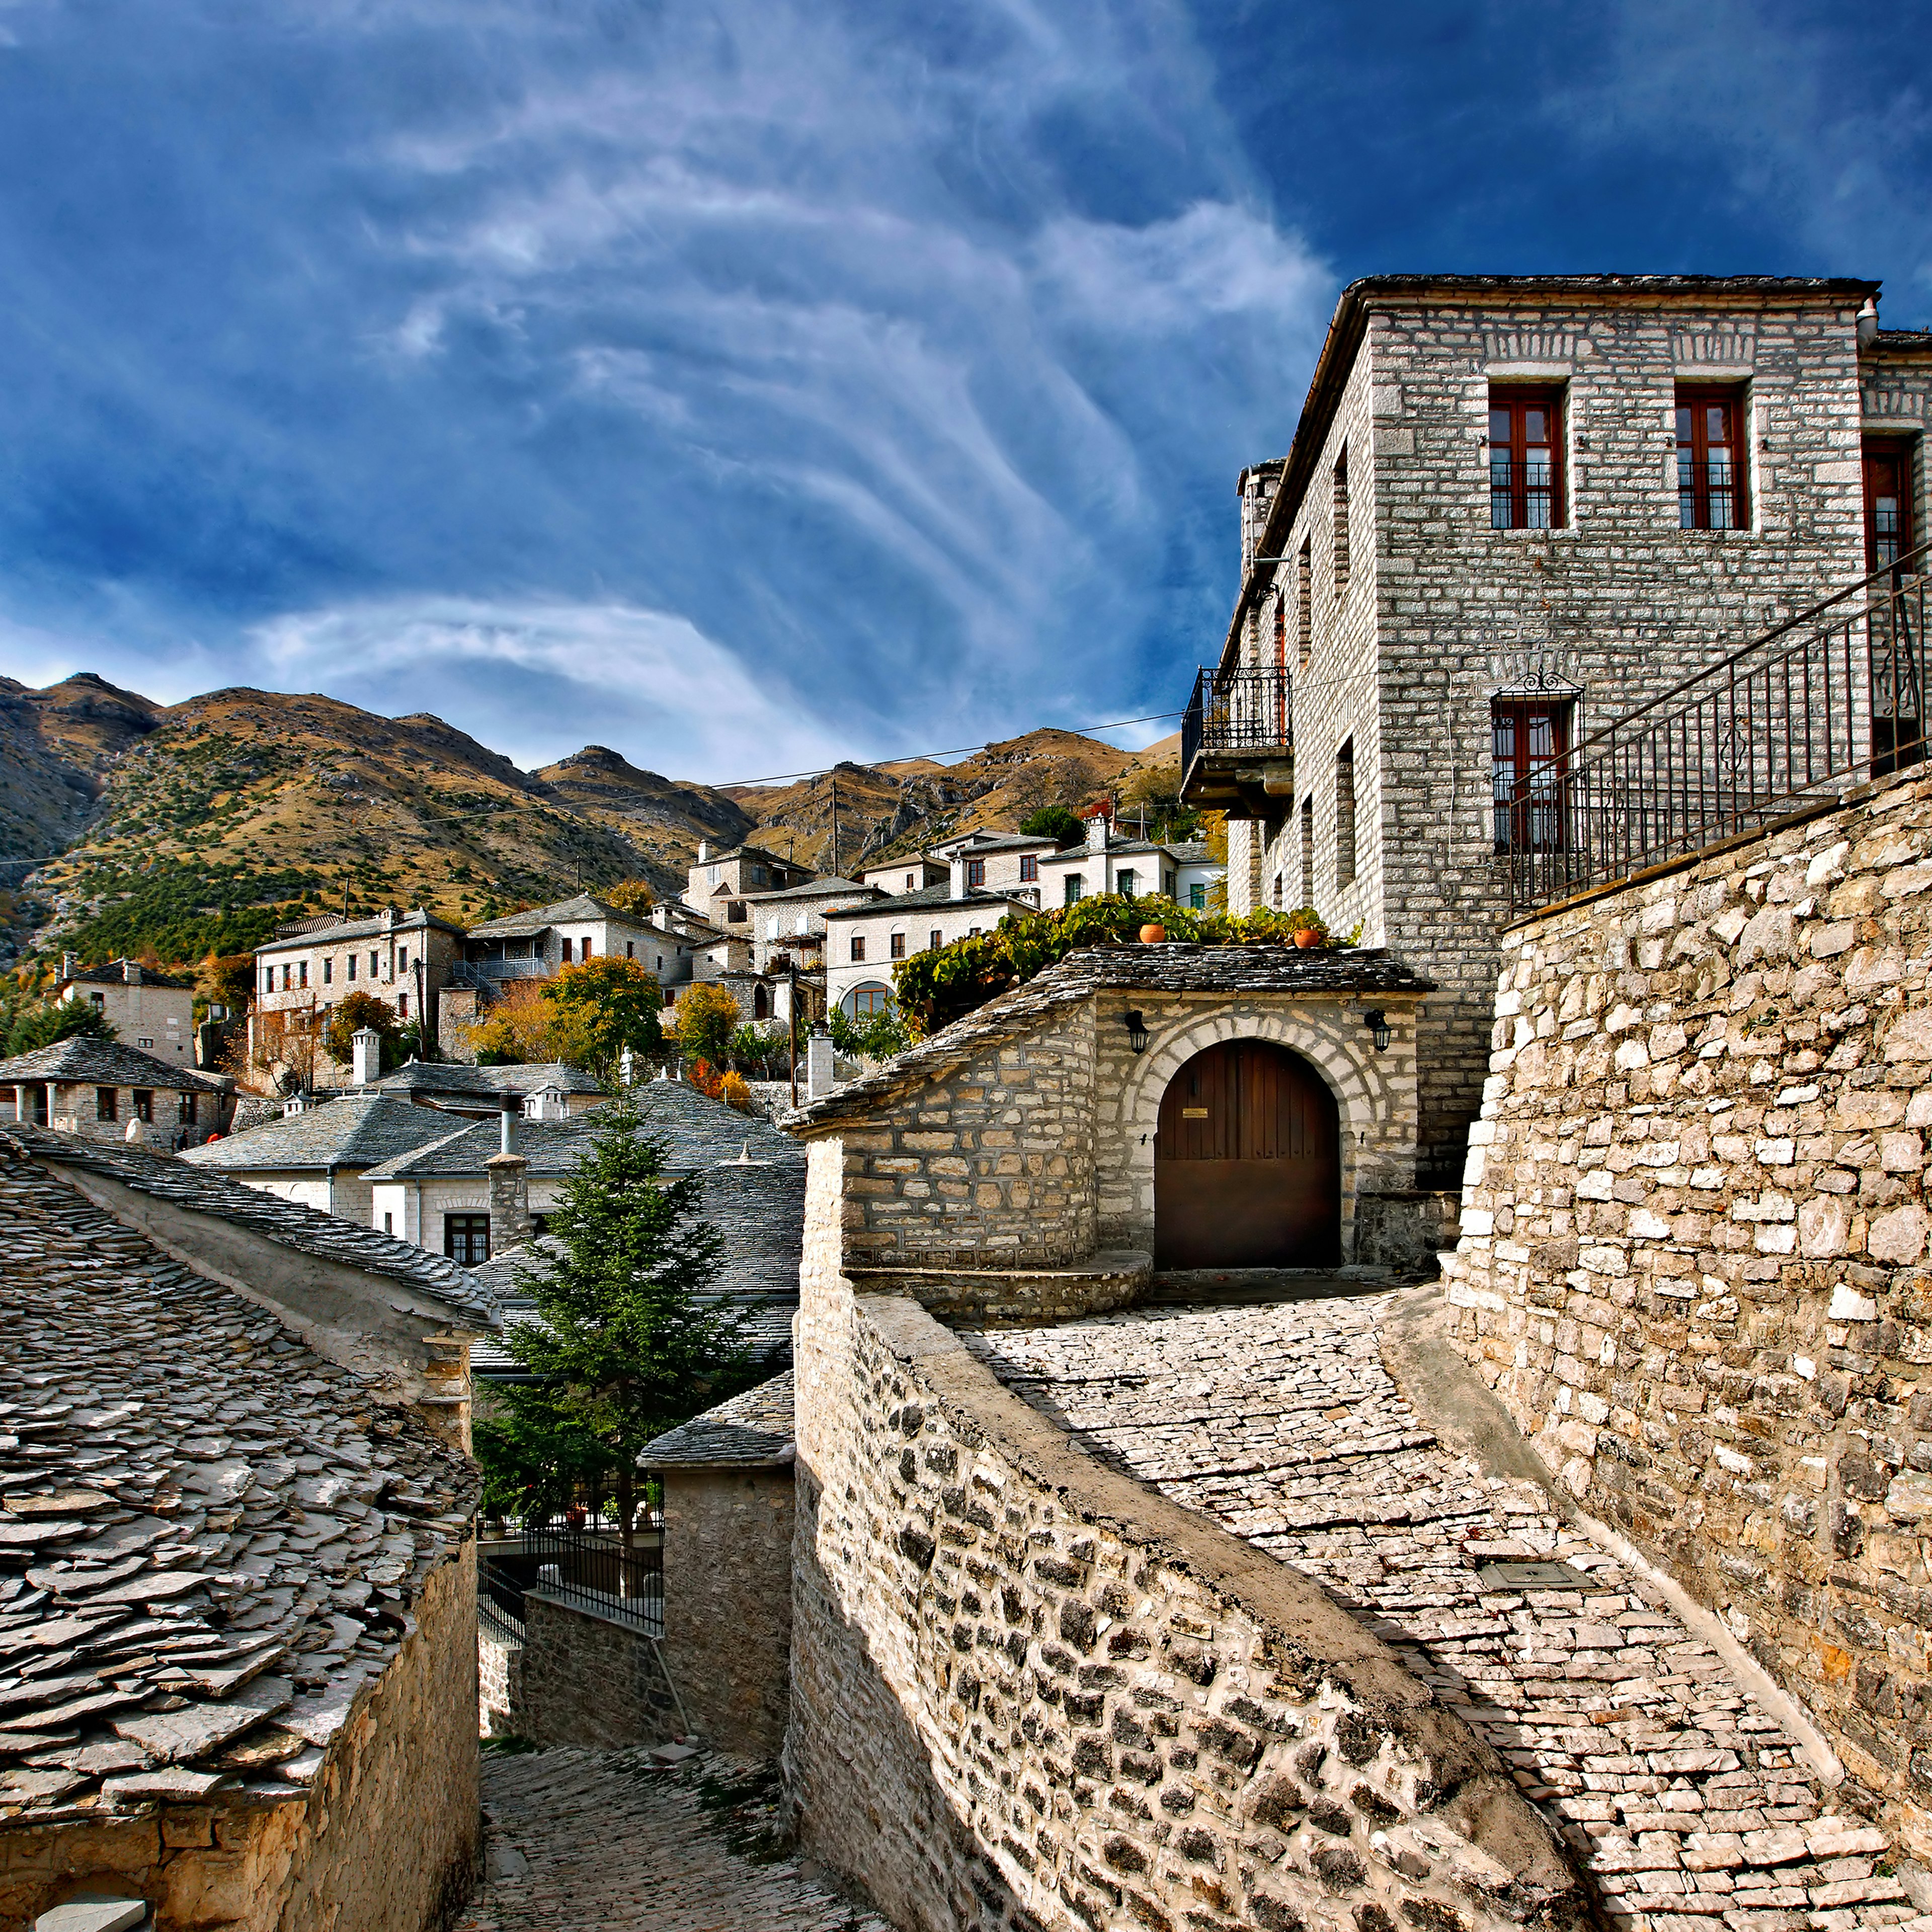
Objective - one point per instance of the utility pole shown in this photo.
(791, 1019)
(833, 778)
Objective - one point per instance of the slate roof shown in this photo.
(114, 972)
(928, 895)
(327, 932)
(1116, 848)
(1170, 968)
(89, 1062)
(488, 1083)
(537, 919)
(975, 844)
(355, 1130)
(221, 1533)
(753, 1430)
(814, 889)
(286, 1223)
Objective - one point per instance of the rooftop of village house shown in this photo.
(574, 911)
(452, 1077)
(286, 1224)
(753, 1430)
(327, 930)
(209, 1537)
(125, 972)
(85, 1061)
(355, 1130)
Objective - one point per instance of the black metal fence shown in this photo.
(1832, 696)
(500, 1597)
(584, 1568)
(1237, 711)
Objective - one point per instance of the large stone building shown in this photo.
(1514, 507)
(103, 1090)
(149, 1010)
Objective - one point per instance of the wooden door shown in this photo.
(1247, 1166)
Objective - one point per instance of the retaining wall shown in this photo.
(1028, 1693)
(1693, 1257)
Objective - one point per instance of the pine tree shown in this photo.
(624, 1347)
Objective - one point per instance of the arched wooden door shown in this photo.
(1247, 1162)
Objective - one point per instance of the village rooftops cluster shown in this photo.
(210, 1537)
(85, 1061)
(357, 1130)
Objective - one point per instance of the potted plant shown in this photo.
(1153, 933)
(1306, 928)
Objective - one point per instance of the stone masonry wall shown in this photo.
(1693, 1259)
(591, 1681)
(728, 1602)
(1029, 1693)
(988, 1163)
(385, 1839)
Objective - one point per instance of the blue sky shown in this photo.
(744, 386)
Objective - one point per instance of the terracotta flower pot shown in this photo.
(1152, 935)
(1305, 936)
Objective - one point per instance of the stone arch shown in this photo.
(1324, 1033)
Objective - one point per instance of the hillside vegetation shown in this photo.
(199, 827)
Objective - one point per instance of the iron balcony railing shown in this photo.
(499, 1598)
(1819, 702)
(1246, 710)
(595, 1570)
(486, 973)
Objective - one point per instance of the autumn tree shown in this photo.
(515, 1030)
(600, 1007)
(359, 1009)
(707, 1017)
(636, 896)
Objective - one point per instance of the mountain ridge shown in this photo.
(183, 829)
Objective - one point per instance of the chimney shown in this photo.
(957, 877)
(1096, 830)
(704, 851)
(506, 1122)
(69, 965)
(510, 1224)
(131, 971)
(366, 1045)
(820, 1070)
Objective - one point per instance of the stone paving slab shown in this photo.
(1690, 1806)
(601, 1841)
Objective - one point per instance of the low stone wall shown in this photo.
(1028, 1692)
(591, 1682)
(728, 1602)
(1693, 1252)
(386, 1839)
(984, 1296)
(1405, 1229)
(500, 1678)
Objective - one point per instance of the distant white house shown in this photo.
(152, 1012)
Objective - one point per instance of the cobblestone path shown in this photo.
(600, 1841)
(1687, 1802)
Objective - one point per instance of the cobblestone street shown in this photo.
(596, 1841)
(1688, 1803)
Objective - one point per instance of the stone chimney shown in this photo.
(820, 1071)
(1097, 828)
(366, 1049)
(957, 876)
(1257, 485)
(510, 1223)
(69, 965)
(131, 971)
(704, 851)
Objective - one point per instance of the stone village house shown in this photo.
(1514, 507)
(250, 1570)
(103, 1090)
(151, 1011)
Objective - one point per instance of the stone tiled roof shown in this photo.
(976, 844)
(87, 1062)
(1172, 967)
(487, 1083)
(753, 1430)
(286, 1223)
(221, 1534)
(357, 1129)
(814, 889)
(699, 1133)
(929, 895)
(115, 974)
(564, 912)
(1116, 848)
(326, 931)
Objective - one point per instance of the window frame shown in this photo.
(1513, 826)
(107, 1103)
(473, 1225)
(1345, 857)
(1125, 880)
(897, 948)
(858, 957)
(1697, 398)
(141, 1104)
(1903, 451)
(976, 872)
(1073, 888)
(1517, 400)
(1029, 868)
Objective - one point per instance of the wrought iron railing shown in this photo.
(595, 1570)
(486, 973)
(1250, 709)
(500, 1597)
(1819, 702)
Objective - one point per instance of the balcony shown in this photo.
(489, 974)
(1237, 742)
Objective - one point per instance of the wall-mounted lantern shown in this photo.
(1376, 1020)
(1137, 1032)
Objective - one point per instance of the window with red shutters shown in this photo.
(1527, 741)
(1711, 460)
(1526, 459)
